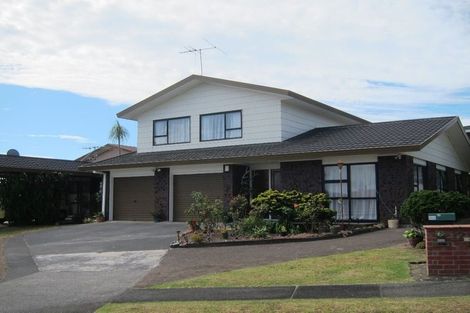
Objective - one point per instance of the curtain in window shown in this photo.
(213, 127)
(160, 128)
(234, 120)
(336, 205)
(332, 173)
(364, 209)
(178, 130)
(363, 181)
(363, 185)
(334, 190)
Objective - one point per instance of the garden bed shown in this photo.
(218, 241)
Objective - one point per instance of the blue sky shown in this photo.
(67, 67)
(58, 124)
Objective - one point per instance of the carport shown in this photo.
(81, 195)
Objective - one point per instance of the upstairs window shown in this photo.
(226, 125)
(171, 131)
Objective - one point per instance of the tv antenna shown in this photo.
(91, 147)
(190, 49)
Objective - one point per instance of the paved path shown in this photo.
(423, 289)
(78, 268)
(183, 263)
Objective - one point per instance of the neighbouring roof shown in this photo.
(91, 156)
(396, 136)
(25, 164)
(193, 80)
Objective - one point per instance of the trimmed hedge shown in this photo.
(417, 206)
(32, 198)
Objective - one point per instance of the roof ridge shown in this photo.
(39, 158)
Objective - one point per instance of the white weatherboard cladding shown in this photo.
(298, 118)
(442, 152)
(261, 116)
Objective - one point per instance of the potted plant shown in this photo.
(99, 217)
(414, 236)
(394, 222)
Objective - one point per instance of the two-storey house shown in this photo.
(225, 137)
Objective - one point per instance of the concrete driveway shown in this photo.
(77, 268)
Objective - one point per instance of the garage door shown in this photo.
(134, 198)
(209, 184)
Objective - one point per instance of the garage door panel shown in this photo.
(209, 184)
(134, 198)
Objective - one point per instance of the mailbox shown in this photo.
(441, 217)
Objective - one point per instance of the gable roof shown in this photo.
(90, 156)
(384, 137)
(24, 164)
(194, 80)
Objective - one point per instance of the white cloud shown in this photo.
(124, 51)
(75, 138)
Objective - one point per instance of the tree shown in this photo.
(118, 133)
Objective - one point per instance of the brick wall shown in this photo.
(162, 191)
(451, 258)
(395, 183)
(430, 176)
(304, 176)
(450, 179)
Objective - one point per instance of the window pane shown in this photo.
(160, 128)
(233, 120)
(235, 133)
(160, 140)
(363, 182)
(336, 205)
(334, 190)
(364, 209)
(276, 179)
(213, 127)
(332, 173)
(178, 130)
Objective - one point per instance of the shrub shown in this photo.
(314, 211)
(417, 206)
(248, 225)
(421, 245)
(277, 204)
(457, 202)
(413, 233)
(260, 232)
(206, 213)
(239, 207)
(197, 238)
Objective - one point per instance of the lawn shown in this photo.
(387, 265)
(416, 305)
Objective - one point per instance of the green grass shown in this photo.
(416, 305)
(370, 266)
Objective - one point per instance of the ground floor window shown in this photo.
(459, 181)
(262, 180)
(418, 181)
(353, 191)
(440, 178)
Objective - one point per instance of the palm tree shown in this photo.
(118, 133)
